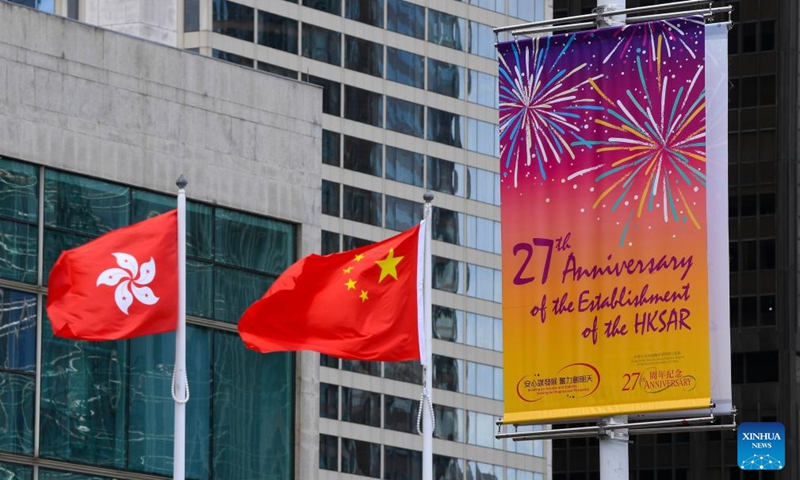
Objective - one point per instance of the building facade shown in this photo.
(763, 157)
(94, 132)
(409, 104)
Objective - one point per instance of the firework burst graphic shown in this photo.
(653, 37)
(537, 104)
(656, 142)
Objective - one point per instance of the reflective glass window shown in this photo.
(362, 205)
(233, 19)
(283, 72)
(232, 58)
(361, 406)
(84, 205)
(449, 423)
(328, 361)
(410, 372)
(446, 30)
(235, 290)
(526, 9)
(18, 313)
(445, 127)
(365, 11)
(447, 373)
(13, 471)
(447, 226)
(404, 166)
(446, 177)
(480, 430)
(330, 242)
(446, 79)
(322, 44)
(152, 407)
(445, 273)
(481, 380)
(481, 40)
(351, 243)
(481, 283)
(41, 5)
(253, 411)
(45, 474)
(363, 56)
(331, 6)
(405, 117)
(328, 452)
(483, 137)
(483, 185)
(515, 474)
(253, 242)
(402, 214)
(330, 198)
(330, 148)
(19, 190)
(401, 463)
(494, 5)
(405, 67)
(328, 401)
(361, 366)
(400, 414)
(331, 95)
(191, 15)
(484, 332)
(447, 323)
(363, 156)
(447, 468)
(363, 106)
(18, 257)
(484, 470)
(361, 458)
(482, 89)
(406, 18)
(277, 32)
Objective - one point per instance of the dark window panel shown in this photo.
(445, 127)
(330, 198)
(767, 35)
(351, 243)
(361, 458)
(274, 69)
(446, 274)
(191, 14)
(330, 148)
(446, 30)
(766, 257)
(330, 242)
(361, 406)
(749, 38)
(400, 414)
(406, 18)
(322, 44)
(405, 117)
(401, 464)
(333, 7)
(447, 226)
(360, 366)
(277, 32)
(766, 310)
(328, 401)
(363, 106)
(446, 177)
(232, 58)
(402, 214)
(234, 20)
(365, 11)
(363, 56)
(331, 95)
(328, 452)
(362, 205)
(405, 67)
(404, 166)
(447, 323)
(447, 373)
(410, 372)
(363, 156)
(749, 312)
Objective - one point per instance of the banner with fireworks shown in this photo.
(604, 222)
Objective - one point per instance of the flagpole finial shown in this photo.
(428, 197)
(182, 182)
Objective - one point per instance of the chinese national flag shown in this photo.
(359, 305)
(123, 284)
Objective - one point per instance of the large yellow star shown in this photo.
(351, 284)
(389, 265)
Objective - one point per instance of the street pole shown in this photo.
(613, 443)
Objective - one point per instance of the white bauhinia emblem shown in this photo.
(128, 284)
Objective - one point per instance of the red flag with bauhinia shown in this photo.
(359, 305)
(123, 284)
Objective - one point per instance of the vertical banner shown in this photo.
(604, 222)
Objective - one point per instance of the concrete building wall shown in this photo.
(155, 20)
(94, 102)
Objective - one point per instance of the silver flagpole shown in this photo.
(427, 415)
(180, 388)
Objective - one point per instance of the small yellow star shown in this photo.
(359, 257)
(389, 265)
(363, 296)
(348, 269)
(351, 284)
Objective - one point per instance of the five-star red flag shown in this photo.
(359, 305)
(123, 284)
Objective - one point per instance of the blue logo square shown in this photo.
(761, 446)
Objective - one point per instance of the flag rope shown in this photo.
(423, 399)
(185, 390)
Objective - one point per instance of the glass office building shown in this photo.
(763, 193)
(409, 102)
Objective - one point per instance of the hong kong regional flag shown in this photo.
(361, 304)
(121, 285)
